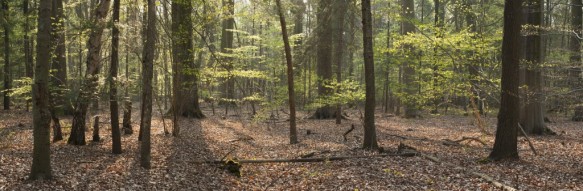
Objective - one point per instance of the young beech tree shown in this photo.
(147, 75)
(505, 144)
(41, 154)
(370, 135)
(7, 71)
(293, 137)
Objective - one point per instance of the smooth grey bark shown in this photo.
(147, 75)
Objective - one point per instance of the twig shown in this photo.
(527, 139)
(322, 159)
(226, 155)
(346, 133)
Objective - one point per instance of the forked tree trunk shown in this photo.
(89, 86)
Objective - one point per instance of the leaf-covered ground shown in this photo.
(176, 160)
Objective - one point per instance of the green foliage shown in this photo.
(345, 92)
(22, 88)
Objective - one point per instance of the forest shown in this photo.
(291, 95)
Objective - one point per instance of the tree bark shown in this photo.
(411, 107)
(505, 143)
(293, 135)
(533, 112)
(28, 58)
(148, 66)
(227, 38)
(324, 34)
(89, 86)
(370, 137)
(575, 70)
(186, 74)
(7, 69)
(59, 60)
(41, 154)
(113, 104)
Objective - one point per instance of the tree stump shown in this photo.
(96, 137)
(578, 113)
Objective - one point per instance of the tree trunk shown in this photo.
(89, 86)
(533, 112)
(293, 135)
(186, 74)
(575, 70)
(113, 105)
(7, 69)
(59, 60)
(505, 143)
(28, 59)
(340, 7)
(127, 111)
(41, 154)
(148, 66)
(324, 57)
(370, 135)
(96, 137)
(227, 38)
(411, 107)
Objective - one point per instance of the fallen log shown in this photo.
(298, 160)
(347, 132)
(527, 139)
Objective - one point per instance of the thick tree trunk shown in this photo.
(293, 135)
(113, 104)
(148, 67)
(41, 154)
(340, 7)
(89, 86)
(324, 57)
(370, 136)
(411, 107)
(186, 74)
(59, 60)
(533, 112)
(505, 144)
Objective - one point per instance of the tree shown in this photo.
(408, 15)
(227, 37)
(58, 78)
(533, 111)
(575, 45)
(185, 81)
(147, 74)
(338, 25)
(41, 154)
(293, 135)
(89, 86)
(324, 34)
(113, 105)
(28, 58)
(505, 143)
(7, 69)
(370, 135)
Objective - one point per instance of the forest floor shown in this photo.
(176, 160)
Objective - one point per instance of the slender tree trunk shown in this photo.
(148, 66)
(59, 61)
(7, 69)
(89, 86)
(340, 7)
(575, 70)
(113, 106)
(28, 59)
(505, 143)
(127, 111)
(293, 136)
(41, 154)
(370, 135)
(227, 38)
